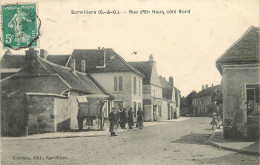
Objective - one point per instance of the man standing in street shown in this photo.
(112, 122)
(123, 118)
(140, 116)
(130, 119)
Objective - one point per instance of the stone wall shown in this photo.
(51, 113)
(66, 111)
(40, 109)
(13, 115)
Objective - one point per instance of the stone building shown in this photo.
(239, 67)
(204, 101)
(45, 97)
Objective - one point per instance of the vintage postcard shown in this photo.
(129, 82)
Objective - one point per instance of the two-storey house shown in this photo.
(152, 90)
(121, 80)
(202, 102)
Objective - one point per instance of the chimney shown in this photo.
(30, 58)
(83, 66)
(98, 48)
(171, 80)
(202, 87)
(43, 53)
(212, 85)
(151, 58)
(207, 86)
(73, 65)
(8, 52)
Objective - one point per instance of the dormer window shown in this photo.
(112, 57)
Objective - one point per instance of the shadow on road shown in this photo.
(193, 138)
(235, 159)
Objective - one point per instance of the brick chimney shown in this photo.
(207, 86)
(202, 87)
(43, 53)
(171, 80)
(151, 58)
(73, 65)
(83, 66)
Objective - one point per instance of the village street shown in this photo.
(170, 143)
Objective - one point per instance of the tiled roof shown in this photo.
(164, 82)
(243, 51)
(76, 80)
(101, 60)
(58, 59)
(43, 84)
(17, 60)
(206, 92)
(12, 61)
(42, 71)
(167, 88)
(145, 67)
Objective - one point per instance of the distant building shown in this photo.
(157, 105)
(172, 96)
(45, 97)
(204, 102)
(239, 67)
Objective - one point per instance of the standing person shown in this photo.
(112, 122)
(130, 119)
(123, 118)
(214, 120)
(140, 116)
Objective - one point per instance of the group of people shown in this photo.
(121, 118)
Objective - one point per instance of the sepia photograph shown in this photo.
(110, 82)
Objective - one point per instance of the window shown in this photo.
(134, 85)
(252, 98)
(115, 83)
(120, 83)
(118, 105)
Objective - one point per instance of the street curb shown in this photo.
(72, 136)
(75, 136)
(209, 141)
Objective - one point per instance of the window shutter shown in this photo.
(120, 83)
(134, 85)
(115, 83)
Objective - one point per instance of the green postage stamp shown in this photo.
(19, 25)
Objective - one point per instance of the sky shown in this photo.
(185, 46)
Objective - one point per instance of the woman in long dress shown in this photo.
(214, 121)
(17, 24)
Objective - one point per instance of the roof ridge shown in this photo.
(138, 61)
(130, 66)
(237, 41)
